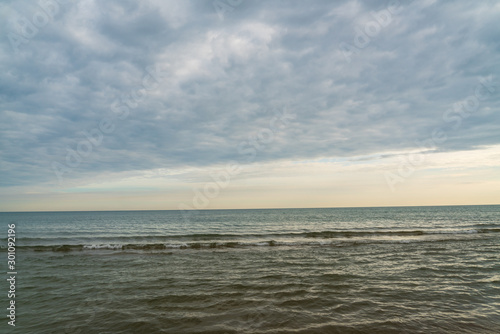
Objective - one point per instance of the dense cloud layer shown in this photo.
(173, 84)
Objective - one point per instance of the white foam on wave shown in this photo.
(176, 246)
(103, 246)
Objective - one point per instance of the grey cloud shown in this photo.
(223, 78)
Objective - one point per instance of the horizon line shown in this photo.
(291, 208)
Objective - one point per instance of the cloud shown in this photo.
(223, 80)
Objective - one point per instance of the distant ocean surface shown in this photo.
(343, 270)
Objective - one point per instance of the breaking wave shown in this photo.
(228, 241)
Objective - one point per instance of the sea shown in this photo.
(331, 270)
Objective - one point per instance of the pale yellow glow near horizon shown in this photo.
(451, 178)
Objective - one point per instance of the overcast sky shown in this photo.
(108, 105)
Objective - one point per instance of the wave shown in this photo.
(218, 241)
(225, 236)
(147, 246)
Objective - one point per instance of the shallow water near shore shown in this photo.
(352, 270)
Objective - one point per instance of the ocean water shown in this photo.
(348, 270)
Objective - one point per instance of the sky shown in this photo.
(226, 104)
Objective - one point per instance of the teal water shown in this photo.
(353, 270)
